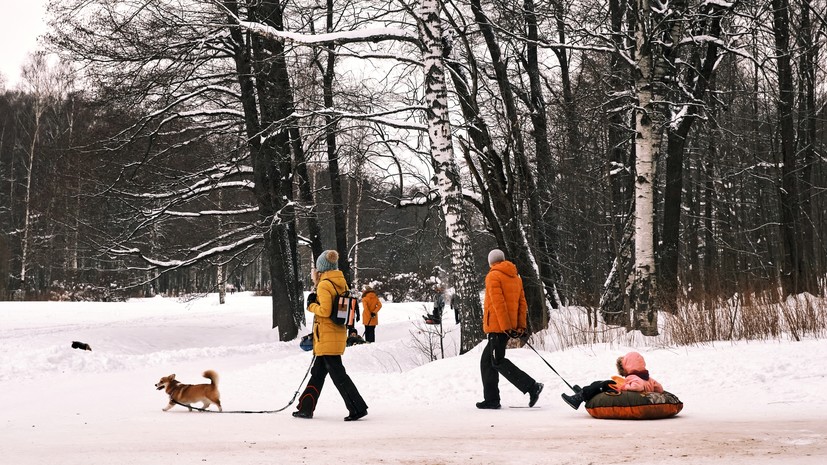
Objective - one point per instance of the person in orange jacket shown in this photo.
(633, 377)
(504, 317)
(370, 312)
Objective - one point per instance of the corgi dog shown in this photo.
(189, 393)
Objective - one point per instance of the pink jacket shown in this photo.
(637, 379)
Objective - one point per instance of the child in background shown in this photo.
(354, 338)
(633, 377)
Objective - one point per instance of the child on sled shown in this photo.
(633, 377)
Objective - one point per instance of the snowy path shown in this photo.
(760, 402)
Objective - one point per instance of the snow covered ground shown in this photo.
(744, 403)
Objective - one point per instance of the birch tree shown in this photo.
(446, 175)
(649, 122)
(44, 84)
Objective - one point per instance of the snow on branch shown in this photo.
(183, 214)
(156, 263)
(377, 34)
(198, 188)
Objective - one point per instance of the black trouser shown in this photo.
(493, 363)
(437, 314)
(370, 333)
(594, 389)
(331, 364)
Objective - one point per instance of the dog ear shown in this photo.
(172, 376)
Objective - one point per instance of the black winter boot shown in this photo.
(573, 401)
(534, 394)
(356, 415)
(486, 404)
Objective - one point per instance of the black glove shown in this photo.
(311, 299)
(515, 333)
(607, 386)
(372, 315)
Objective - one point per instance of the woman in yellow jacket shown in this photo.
(370, 312)
(329, 341)
(504, 316)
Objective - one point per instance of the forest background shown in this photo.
(630, 157)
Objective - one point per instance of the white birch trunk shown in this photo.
(648, 127)
(219, 272)
(24, 256)
(446, 176)
(358, 201)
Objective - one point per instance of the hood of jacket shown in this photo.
(634, 364)
(505, 267)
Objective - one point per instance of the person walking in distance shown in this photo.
(504, 317)
(329, 340)
(370, 312)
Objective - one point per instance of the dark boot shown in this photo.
(356, 415)
(573, 401)
(486, 404)
(534, 394)
(307, 402)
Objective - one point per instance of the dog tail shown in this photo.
(212, 376)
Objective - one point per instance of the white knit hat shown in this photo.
(495, 256)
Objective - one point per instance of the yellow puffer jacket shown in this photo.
(505, 305)
(370, 304)
(328, 337)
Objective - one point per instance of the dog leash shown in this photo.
(296, 394)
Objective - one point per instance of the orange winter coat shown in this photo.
(328, 337)
(370, 304)
(505, 306)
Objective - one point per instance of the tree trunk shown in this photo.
(27, 195)
(698, 77)
(614, 301)
(808, 135)
(648, 129)
(271, 159)
(220, 281)
(339, 220)
(522, 184)
(795, 273)
(547, 223)
(447, 180)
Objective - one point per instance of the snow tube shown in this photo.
(629, 405)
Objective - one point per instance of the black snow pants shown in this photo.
(331, 364)
(493, 363)
(370, 333)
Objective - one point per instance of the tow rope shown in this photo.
(549, 365)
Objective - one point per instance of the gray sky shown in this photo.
(21, 21)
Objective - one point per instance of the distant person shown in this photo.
(370, 312)
(353, 338)
(435, 317)
(329, 340)
(633, 377)
(504, 317)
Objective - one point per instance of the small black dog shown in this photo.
(80, 345)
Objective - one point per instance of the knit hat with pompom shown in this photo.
(328, 260)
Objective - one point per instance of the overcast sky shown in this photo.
(21, 21)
